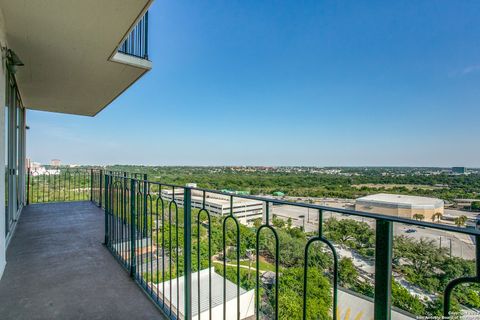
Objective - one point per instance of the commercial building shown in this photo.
(40, 171)
(459, 170)
(245, 210)
(400, 205)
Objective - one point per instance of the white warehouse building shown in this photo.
(245, 210)
(397, 205)
(247, 298)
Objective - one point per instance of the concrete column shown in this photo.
(23, 153)
(2, 147)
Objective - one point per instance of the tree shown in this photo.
(291, 249)
(420, 260)
(290, 297)
(348, 274)
(353, 234)
(475, 206)
(437, 216)
(418, 216)
(406, 301)
(460, 221)
(278, 222)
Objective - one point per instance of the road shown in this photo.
(461, 245)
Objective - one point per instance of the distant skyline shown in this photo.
(316, 83)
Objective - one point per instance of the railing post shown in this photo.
(125, 188)
(187, 251)
(458, 281)
(383, 269)
(100, 189)
(133, 229)
(145, 207)
(106, 210)
(91, 185)
(28, 186)
(146, 36)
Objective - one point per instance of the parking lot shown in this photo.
(459, 245)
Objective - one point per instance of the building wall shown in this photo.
(245, 212)
(19, 146)
(398, 212)
(3, 43)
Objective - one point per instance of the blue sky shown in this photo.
(290, 83)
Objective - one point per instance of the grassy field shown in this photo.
(394, 186)
(263, 265)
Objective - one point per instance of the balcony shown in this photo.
(78, 56)
(136, 43)
(58, 269)
(194, 259)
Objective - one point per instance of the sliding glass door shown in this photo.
(14, 154)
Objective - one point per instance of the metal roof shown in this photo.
(217, 291)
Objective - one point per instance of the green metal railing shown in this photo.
(136, 43)
(166, 235)
(96, 186)
(163, 235)
(60, 184)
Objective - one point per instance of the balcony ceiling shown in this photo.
(67, 48)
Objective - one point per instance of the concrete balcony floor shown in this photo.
(57, 268)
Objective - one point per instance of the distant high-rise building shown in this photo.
(55, 162)
(459, 170)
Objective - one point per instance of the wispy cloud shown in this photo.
(470, 69)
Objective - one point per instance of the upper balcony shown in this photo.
(136, 44)
(78, 56)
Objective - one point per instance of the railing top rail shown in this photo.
(363, 214)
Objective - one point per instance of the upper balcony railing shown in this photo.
(196, 259)
(136, 44)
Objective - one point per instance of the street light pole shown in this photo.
(450, 247)
(303, 219)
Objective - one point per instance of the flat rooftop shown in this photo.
(216, 199)
(401, 201)
(203, 277)
(226, 202)
(355, 306)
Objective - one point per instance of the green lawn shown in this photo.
(263, 265)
